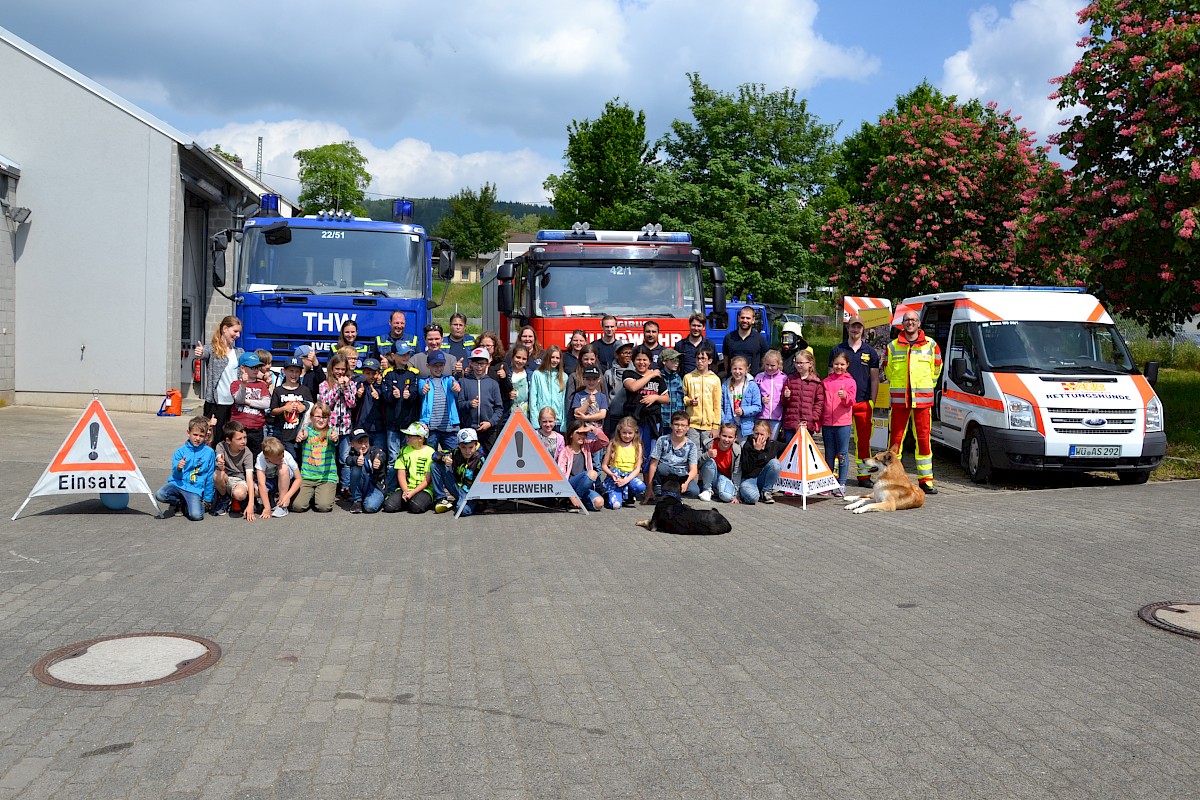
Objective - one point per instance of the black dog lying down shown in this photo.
(672, 516)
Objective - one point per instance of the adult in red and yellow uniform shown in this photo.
(912, 364)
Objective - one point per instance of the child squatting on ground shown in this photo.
(192, 467)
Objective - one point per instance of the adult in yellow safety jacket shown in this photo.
(912, 364)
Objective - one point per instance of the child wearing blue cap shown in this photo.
(251, 399)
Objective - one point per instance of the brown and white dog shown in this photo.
(893, 491)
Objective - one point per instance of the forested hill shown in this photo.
(429, 211)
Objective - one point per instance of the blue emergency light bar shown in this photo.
(988, 287)
(613, 236)
(269, 205)
(402, 210)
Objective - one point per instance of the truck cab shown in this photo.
(1039, 378)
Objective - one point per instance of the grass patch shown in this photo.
(1179, 391)
(467, 297)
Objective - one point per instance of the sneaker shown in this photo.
(866, 483)
(279, 511)
(928, 488)
(220, 507)
(344, 493)
(356, 507)
(443, 505)
(839, 491)
(169, 510)
(706, 496)
(768, 498)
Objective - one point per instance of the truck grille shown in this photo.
(1070, 421)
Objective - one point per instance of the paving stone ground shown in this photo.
(986, 646)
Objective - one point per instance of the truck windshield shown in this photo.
(654, 290)
(333, 261)
(1075, 348)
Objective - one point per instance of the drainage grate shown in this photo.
(129, 661)
(1182, 617)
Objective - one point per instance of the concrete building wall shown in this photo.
(92, 277)
(10, 236)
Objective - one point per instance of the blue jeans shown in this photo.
(462, 506)
(443, 440)
(343, 445)
(722, 487)
(192, 503)
(362, 489)
(649, 435)
(618, 495)
(585, 488)
(837, 445)
(752, 488)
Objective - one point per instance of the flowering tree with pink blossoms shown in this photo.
(957, 194)
(1136, 146)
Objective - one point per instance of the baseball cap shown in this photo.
(467, 435)
(591, 372)
(293, 362)
(359, 433)
(669, 354)
(417, 429)
(371, 363)
(303, 350)
(623, 346)
(481, 352)
(249, 360)
(855, 320)
(401, 349)
(436, 357)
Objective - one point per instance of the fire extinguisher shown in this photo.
(196, 370)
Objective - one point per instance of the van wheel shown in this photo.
(978, 465)
(1135, 476)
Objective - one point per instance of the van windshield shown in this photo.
(1075, 348)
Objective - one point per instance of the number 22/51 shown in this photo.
(333, 234)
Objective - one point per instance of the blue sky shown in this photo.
(445, 96)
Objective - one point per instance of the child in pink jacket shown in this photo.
(837, 418)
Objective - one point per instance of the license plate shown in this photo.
(1095, 451)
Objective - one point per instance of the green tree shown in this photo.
(608, 171)
(528, 223)
(473, 226)
(742, 178)
(232, 158)
(334, 177)
(1136, 146)
(952, 195)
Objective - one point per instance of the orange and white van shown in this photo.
(1039, 378)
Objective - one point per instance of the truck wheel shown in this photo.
(1135, 476)
(979, 466)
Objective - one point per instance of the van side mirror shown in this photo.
(220, 243)
(958, 370)
(1151, 372)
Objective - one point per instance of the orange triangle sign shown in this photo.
(803, 469)
(519, 466)
(91, 459)
(93, 445)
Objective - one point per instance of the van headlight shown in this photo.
(1154, 416)
(1020, 413)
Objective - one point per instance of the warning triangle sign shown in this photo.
(92, 459)
(519, 466)
(803, 469)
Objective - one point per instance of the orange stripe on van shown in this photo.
(1012, 384)
(1097, 313)
(971, 304)
(975, 400)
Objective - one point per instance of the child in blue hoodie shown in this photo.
(192, 467)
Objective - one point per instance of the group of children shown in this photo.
(384, 438)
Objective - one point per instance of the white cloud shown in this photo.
(407, 168)
(1011, 59)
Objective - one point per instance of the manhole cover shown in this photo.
(131, 661)
(1182, 617)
